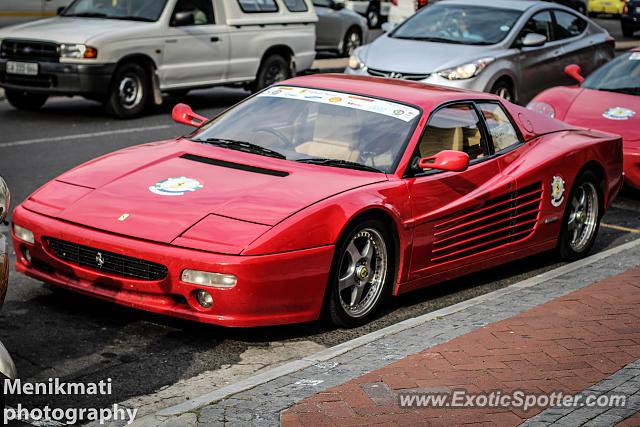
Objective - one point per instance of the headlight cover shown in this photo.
(466, 71)
(204, 278)
(355, 63)
(542, 108)
(24, 234)
(5, 200)
(77, 51)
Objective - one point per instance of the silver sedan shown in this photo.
(513, 48)
(338, 29)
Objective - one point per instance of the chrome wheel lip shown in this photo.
(362, 273)
(130, 91)
(583, 217)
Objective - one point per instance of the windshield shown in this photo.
(318, 126)
(460, 24)
(135, 10)
(620, 75)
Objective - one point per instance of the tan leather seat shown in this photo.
(334, 137)
(439, 139)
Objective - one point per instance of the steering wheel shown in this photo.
(282, 137)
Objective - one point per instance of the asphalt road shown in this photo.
(52, 333)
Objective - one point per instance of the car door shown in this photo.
(458, 218)
(196, 47)
(539, 66)
(569, 30)
(329, 31)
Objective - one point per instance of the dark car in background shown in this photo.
(630, 18)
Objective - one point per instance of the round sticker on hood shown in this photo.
(175, 186)
(618, 113)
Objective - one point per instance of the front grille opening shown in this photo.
(106, 262)
(29, 50)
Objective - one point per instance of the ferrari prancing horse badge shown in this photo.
(557, 191)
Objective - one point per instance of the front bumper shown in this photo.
(61, 79)
(271, 289)
(631, 162)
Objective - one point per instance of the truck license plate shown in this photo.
(23, 68)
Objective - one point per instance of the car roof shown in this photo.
(521, 5)
(422, 95)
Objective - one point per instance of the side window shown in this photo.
(322, 3)
(258, 6)
(192, 12)
(453, 128)
(296, 5)
(540, 23)
(568, 25)
(502, 132)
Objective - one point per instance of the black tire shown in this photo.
(627, 31)
(372, 297)
(25, 100)
(274, 69)
(374, 20)
(130, 91)
(504, 89)
(565, 249)
(352, 41)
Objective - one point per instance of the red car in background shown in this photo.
(324, 193)
(608, 100)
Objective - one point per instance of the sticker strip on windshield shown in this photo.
(358, 102)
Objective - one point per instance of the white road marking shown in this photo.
(80, 136)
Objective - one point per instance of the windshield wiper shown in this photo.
(627, 90)
(86, 15)
(132, 18)
(430, 39)
(247, 147)
(339, 164)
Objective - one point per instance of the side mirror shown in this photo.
(575, 72)
(60, 10)
(183, 19)
(533, 40)
(387, 27)
(447, 160)
(183, 114)
(337, 5)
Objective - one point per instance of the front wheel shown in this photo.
(582, 218)
(361, 274)
(130, 92)
(352, 41)
(273, 69)
(25, 100)
(503, 90)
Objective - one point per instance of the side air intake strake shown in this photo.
(498, 221)
(232, 165)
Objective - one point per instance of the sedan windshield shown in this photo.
(326, 128)
(621, 75)
(135, 10)
(460, 24)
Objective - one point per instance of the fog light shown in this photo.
(203, 278)
(26, 254)
(204, 299)
(24, 234)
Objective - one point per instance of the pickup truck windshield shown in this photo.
(134, 10)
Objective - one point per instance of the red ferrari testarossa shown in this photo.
(320, 194)
(608, 100)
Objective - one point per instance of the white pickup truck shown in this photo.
(126, 53)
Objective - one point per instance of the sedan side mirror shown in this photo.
(533, 40)
(447, 160)
(183, 114)
(575, 72)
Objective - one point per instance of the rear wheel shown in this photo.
(361, 274)
(352, 41)
(273, 69)
(25, 100)
(582, 218)
(130, 91)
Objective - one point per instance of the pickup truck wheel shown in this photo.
(25, 100)
(274, 69)
(130, 91)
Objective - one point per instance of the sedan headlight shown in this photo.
(5, 200)
(24, 234)
(214, 280)
(78, 51)
(355, 63)
(542, 108)
(466, 71)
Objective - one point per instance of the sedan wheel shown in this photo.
(503, 90)
(352, 41)
(360, 275)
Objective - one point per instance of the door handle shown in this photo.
(215, 39)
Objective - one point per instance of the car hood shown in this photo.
(128, 192)
(69, 30)
(414, 56)
(597, 109)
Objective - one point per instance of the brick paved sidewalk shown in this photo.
(568, 344)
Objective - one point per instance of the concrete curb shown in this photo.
(196, 402)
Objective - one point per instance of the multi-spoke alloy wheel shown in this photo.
(352, 41)
(361, 274)
(582, 217)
